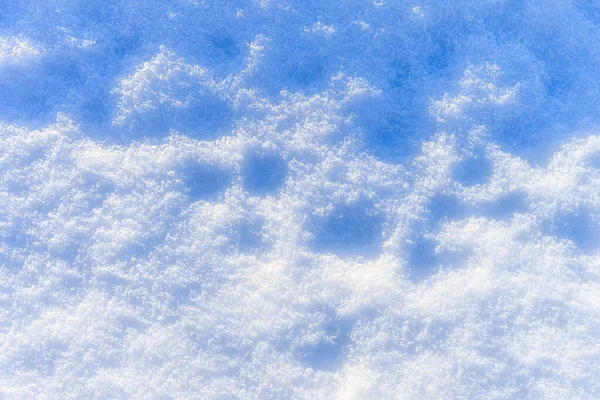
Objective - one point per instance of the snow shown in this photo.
(299, 200)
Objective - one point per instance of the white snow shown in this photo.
(299, 200)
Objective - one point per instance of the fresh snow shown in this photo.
(296, 199)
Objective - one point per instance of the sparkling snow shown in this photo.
(299, 199)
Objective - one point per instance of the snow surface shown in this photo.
(299, 199)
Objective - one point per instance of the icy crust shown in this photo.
(299, 200)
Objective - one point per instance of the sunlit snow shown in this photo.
(299, 199)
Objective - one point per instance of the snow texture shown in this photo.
(298, 199)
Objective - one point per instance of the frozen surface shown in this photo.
(299, 199)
